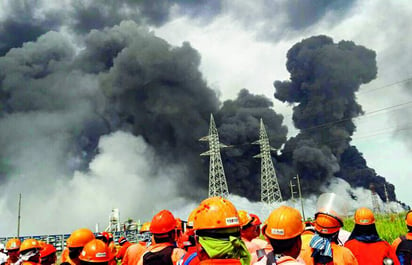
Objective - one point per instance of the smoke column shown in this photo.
(324, 77)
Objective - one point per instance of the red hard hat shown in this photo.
(256, 220)
(163, 222)
(46, 250)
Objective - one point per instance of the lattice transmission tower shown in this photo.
(270, 191)
(375, 199)
(217, 178)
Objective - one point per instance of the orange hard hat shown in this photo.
(13, 244)
(79, 238)
(364, 216)
(96, 251)
(327, 224)
(145, 227)
(256, 220)
(29, 243)
(408, 218)
(191, 218)
(216, 212)
(47, 249)
(284, 223)
(163, 222)
(244, 217)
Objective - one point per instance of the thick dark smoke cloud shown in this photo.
(238, 125)
(21, 24)
(324, 78)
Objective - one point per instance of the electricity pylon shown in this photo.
(374, 197)
(269, 187)
(217, 178)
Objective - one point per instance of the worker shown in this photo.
(365, 243)
(135, 251)
(13, 250)
(403, 245)
(48, 254)
(96, 252)
(163, 250)
(30, 252)
(248, 233)
(217, 231)
(145, 236)
(323, 247)
(283, 229)
(188, 238)
(75, 243)
(263, 244)
(124, 244)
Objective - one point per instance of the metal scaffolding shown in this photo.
(217, 178)
(270, 191)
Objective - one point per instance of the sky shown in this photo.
(241, 44)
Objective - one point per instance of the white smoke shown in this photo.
(126, 174)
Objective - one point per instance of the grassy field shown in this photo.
(389, 226)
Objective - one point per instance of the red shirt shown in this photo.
(371, 253)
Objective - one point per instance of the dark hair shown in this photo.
(361, 230)
(409, 228)
(281, 246)
(164, 238)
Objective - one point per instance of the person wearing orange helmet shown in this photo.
(188, 238)
(217, 231)
(124, 245)
(403, 245)
(248, 233)
(365, 243)
(96, 252)
(48, 254)
(324, 247)
(12, 248)
(135, 251)
(283, 229)
(74, 245)
(163, 250)
(30, 252)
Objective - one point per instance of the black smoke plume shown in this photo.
(238, 125)
(324, 78)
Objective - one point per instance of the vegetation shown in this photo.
(389, 226)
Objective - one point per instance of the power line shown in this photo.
(385, 86)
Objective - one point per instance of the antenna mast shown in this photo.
(270, 191)
(217, 178)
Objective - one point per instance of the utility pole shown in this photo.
(269, 186)
(300, 197)
(18, 216)
(217, 178)
(292, 192)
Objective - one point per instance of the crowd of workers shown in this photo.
(217, 233)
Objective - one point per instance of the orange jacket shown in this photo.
(220, 262)
(133, 254)
(371, 253)
(341, 255)
(177, 253)
(122, 250)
